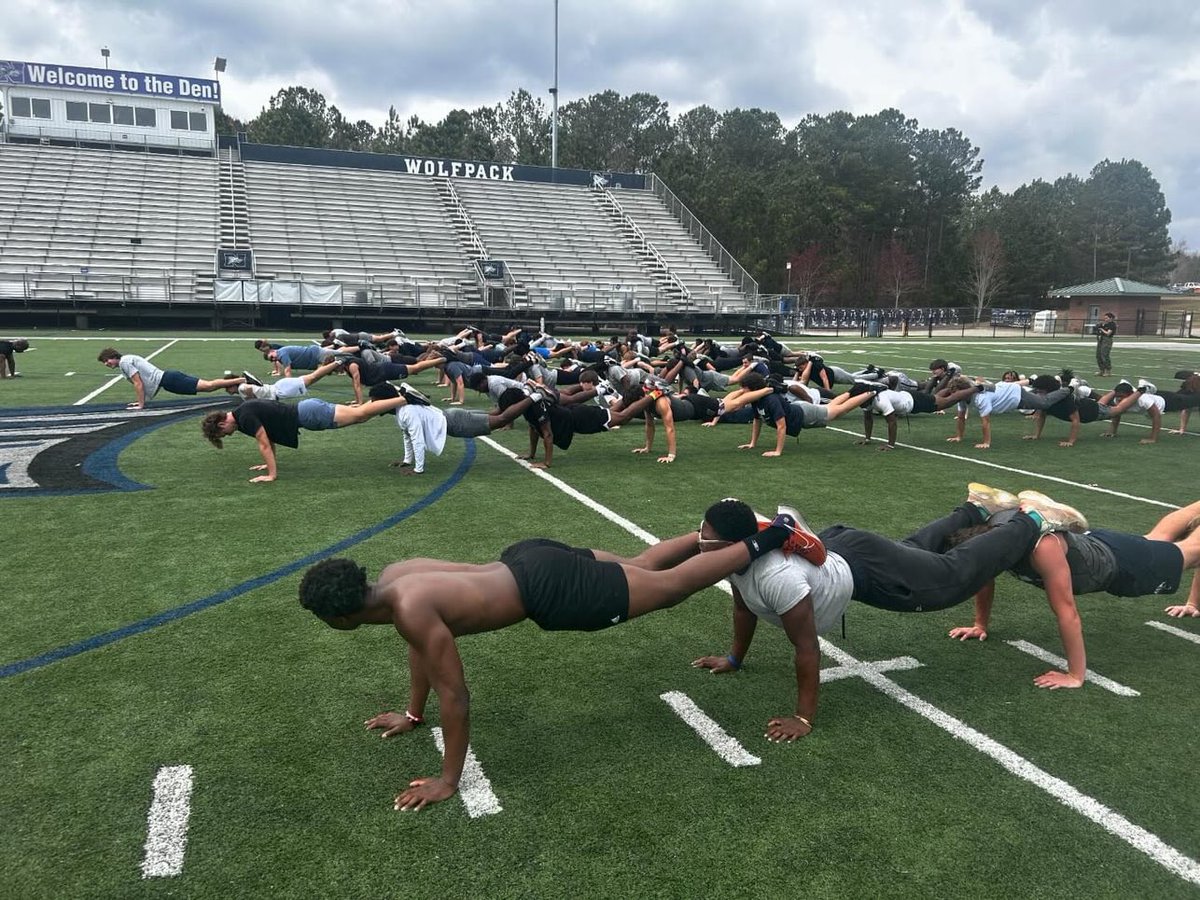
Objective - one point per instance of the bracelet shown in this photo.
(416, 720)
(734, 661)
(804, 720)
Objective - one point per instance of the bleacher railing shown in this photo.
(722, 257)
(46, 133)
(90, 288)
(478, 248)
(645, 245)
(96, 288)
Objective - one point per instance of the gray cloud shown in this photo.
(1042, 89)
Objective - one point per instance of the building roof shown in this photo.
(1112, 287)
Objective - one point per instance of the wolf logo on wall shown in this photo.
(11, 72)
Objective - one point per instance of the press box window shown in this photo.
(76, 112)
(100, 112)
(179, 120)
(30, 108)
(198, 121)
(145, 116)
(122, 115)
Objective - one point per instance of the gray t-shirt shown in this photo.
(498, 384)
(151, 374)
(775, 583)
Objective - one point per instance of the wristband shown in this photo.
(416, 720)
(734, 661)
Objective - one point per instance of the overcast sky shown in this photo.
(1042, 88)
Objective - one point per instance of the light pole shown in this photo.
(789, 271)
(218, 66)
(554, 96)
(104, 53)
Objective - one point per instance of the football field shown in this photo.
(174, 724)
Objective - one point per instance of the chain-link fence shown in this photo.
(782, 315)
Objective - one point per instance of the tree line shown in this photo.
(841, 209)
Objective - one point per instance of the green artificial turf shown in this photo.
(605, 791)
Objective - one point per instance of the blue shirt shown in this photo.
(772, 408)
(307, 356)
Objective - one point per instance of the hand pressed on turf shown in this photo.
(1055, 679)
(423, 791)
(718, 665)
(787, 728)
(391, 723)
(969, 633)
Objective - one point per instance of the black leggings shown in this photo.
(914, 575)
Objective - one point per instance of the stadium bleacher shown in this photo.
(557, 242)
(106, 224)
(686, 258)
(100, 225)
(360, 227)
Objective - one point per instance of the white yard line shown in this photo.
(104, 387)
(167, 822)
(1112, 822)
(473, 787)
(1099, 680)
(710, 732)
(1088, 807)
(899, 663)
(638, 532)
(991, 465)
(1178, 632)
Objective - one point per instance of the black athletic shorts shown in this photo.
(564, 588)
(1143, 566)
(923, 403)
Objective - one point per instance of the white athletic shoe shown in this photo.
(1055, 516)
(990, 498)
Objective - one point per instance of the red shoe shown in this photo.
(802, 541)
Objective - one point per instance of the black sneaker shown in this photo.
(413, 396)
(252, 379)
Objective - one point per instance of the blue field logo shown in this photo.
(52, 450)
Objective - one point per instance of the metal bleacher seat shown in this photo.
(551, 235)
(688, 260)
(104, 211)
(351, 225)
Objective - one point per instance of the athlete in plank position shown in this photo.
(807, 596)
(426, 427)
(433, 602)
(1066, 565)
(271, 422)
(147, 379)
